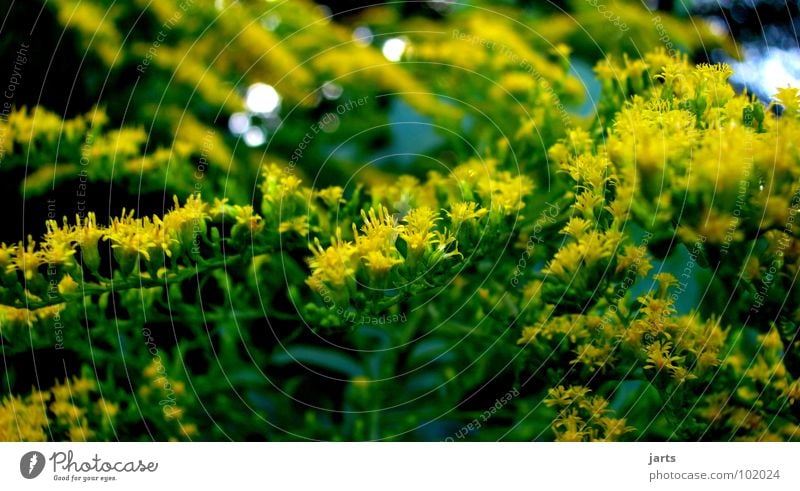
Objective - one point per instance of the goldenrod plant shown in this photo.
(534, 274)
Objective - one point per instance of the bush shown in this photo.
(624, 276)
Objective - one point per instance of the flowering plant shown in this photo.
(624, 276)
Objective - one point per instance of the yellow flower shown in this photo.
(179, 388)
(564, 262)
(594, 247)
(505, 193)
(361, 382)
(789, 98)
(771, 340)
(592, 356)
(173, 412)
(49, 312)
(183, 224)
(375, 245)
(614, 428)
(443, 239)
(596, 406)
(380, 230)
(80, 433)
(11, 317)
(583, 417)
(588, 170)
(656, 309)
(570, 429)
(151, 371)
(283, 195)
(57, 247)
(529, 334)
(633, 257)
(587, 201)
(297, 224)
(417, 231)
(764, 371)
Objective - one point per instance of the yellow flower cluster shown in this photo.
(287, 204)
(765, 378)
(587, 340)
(648, 172)
(627, 26)
(69, 410)
(686, 138)
(385, 250)
(23, 419)
(170, 397)
(593, 234)
(332, 267)
(12, 318)
(150, 238)
(95, 27)
(89, 153)
(374, 251)
(53, 269)
(727, 416)
(583, 417)
(503, 60)
(410, 229)
(683, 155)
(676, 348)
(573, 327)
(587, 251)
